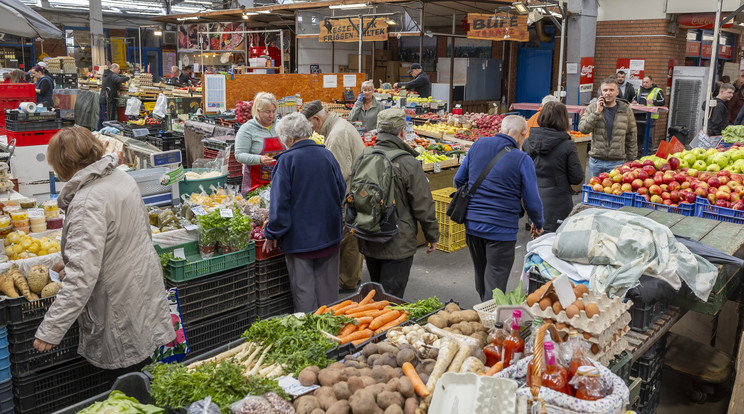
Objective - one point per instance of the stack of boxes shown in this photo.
(386, 69)
(649, 367)
(353, 65)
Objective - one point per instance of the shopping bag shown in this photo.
(174, 351)
(133, 107)
(161, 106)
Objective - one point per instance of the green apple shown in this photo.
(690, 158)
(711, 151)
(713, 168)
(692, 172)
(678, 155)
(720, 159)
(736, 169)
(700, 165)
(683, 164)
(700, 153)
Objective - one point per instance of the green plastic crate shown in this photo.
(192, 186)
(635, 391)
(729, 278)
(195, 267)
(620, 366)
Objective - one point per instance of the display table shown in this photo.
(649, 110)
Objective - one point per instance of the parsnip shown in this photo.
(447, 351)
(248, 364)
(260, 360)
(7, 286)
(19, 280)
(219, 357)
(466, 348)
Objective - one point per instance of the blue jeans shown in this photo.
(598, 166)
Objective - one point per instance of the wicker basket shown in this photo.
(490, 313)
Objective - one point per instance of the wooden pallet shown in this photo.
(640, 342)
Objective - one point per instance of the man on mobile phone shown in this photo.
(613, 129)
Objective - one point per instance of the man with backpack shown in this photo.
(388, 195)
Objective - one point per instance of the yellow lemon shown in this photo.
(33, 248)
(42, 253)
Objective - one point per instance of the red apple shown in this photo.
(642, 174)
(636, 164)
(664, 187)
(649, 163)
(607, 190)
(725, 188)
(665, 195)
(711, 198)
(701, 192)
(685, 185)
(615, 186)
(668, 178)
(722, 203)
(607, 182)
(722, 195)
(673, 162)
(626, 188)
(598, 188)
(734, 197)
(665, 167)
(648, 182)
(628, 177)
(617, 178)
(643, 191)
(617, 191)
(624, 169)
(668, 202)
(674, 186)
(594, 180)
(680, 177)
(654, 190)
(649, 169)
(732, 184)
(603, 175)
(723, 179)
(636, 184)
(692, 172)
(713, 182)
(656, 199)
(659, 179)
(737, 177)
(703, 184)
(647, 197)
(703, 176)
(690, 198)
(674, 196)
(725, 173)
(739, 205)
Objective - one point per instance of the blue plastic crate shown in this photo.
(705, 210)
(682, 209)
(4, 358)
(6, 397)
(611, 201)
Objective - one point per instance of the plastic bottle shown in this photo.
(555, 376)
(513, 344)
(494, 350)
(529, 344)
(577, 359)
(588, 384)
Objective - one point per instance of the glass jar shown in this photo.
(27, 203)
(54, 223)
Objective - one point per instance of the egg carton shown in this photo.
(608, 353)
(611, 312)
(470, 393)
(602, 340)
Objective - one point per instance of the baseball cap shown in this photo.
(414, 66)
(391, 119)
(42, 64)
(311, 108)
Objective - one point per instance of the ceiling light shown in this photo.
(521, 8)
(349, 6)
(391, 22)
(158, 33)
(264, 11)
(180, 19)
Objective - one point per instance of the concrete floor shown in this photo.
(450, 276)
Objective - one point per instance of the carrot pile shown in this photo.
(370, 318)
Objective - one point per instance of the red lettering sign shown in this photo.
(587, 71)
(700, 21)
(724, 51)
(692, 49)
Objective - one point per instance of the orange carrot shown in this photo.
(383, 319)
(373, 313)
(320, 310)
(365, 319)
(334, 308)
(495, 368)
(412, 375)
(349, 328)
(367, 307)
(345, 308)
(367, 299)
(359, 341)
(362, 326)
(356, 335)
(402, 318)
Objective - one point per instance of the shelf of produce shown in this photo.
(452, 162)
(463, 142)
(429, 134)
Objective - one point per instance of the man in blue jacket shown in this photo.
(492, 220)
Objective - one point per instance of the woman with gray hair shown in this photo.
(307, 190)
(366, 107)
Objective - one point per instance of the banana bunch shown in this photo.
(319, 139)
(430, 159)
(139, 122)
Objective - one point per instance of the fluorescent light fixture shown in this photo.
(521, 8)
(391, 22)
(349, 6)
(158, 33)
(246, 14)
(264, 12)
(180, 19)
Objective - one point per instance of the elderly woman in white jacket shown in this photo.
(113, 283)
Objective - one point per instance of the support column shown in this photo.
(97, 39)
(581, 34)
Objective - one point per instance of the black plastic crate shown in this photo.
(167, 141)
(271, 287)
(23, 126)
(213, 295)
(644, 316)
(22, 312)
(215, 143)
(270, 268)
(646, 368)
(535, 280)
(279, 305)
(6, 397)
(12, 115)
(26, 360)
(649, 407)
(649, 389)
(3, 312)
(234, 180)
(127, 129)
(215, 332)
(59, 387)
(133, 384)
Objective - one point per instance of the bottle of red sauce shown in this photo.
(576, 346)
(493, 350)
(513, 344)
(555, 376)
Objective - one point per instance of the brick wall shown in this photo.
(52, 47)
(639, 39)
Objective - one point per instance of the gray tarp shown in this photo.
(17, 19)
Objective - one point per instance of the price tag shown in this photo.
(140, 132)
(35, 213)
(198, 210)
(226, 212)
(179, 253)
(293, 387)
(54, 276)
(437, 167)
(190, 227)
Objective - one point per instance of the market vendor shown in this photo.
(305, 214)
(113, 282)
(112, 80)
(44, 86)
(256, 143)
(366, 107)
(420, 83)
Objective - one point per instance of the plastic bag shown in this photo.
(161, 106)
(252, 405)
(133, 107)
(204, 406)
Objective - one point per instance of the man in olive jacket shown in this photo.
(390, 263)
(345, 143)
(613, 128)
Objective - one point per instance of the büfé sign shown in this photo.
(500, 27)
(347, 30)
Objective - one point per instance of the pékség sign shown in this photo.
(346, 30)
(503, 27)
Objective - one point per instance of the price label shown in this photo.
(199, 210)
(190, 227)
(179, 253)
(437, 167)
(35, 213)
(140, 132)
(226, 212)
(293, 387)
(54, 276)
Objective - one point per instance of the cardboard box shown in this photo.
(354, 62)
(380, 75)
(381, 54)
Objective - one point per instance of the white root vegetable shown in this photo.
(276, 372)
(248, 364)
(442, 333)
(217, 358)
(466, 348)
(264, 372)
(447, 351)
(260, 360)
(243, 355)
(472, 364)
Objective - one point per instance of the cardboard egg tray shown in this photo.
(608, 353)
(613, 316)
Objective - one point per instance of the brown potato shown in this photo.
(339, 407)
(306, 404)
(387, 398)
(363, 402)
(329, 376)
(405, 387)
(452, 307)
(307, 377)
(341, 390)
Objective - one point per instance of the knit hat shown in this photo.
(391, 119)
(311, 109)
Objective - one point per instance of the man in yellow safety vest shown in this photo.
(649, 95)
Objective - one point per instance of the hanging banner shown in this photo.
(119, 51)
(701, 21)
(504, 27)
(211, 36)
(346, 30)
(586, 78)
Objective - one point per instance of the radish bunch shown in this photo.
(243, 112)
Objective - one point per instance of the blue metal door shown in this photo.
(533, 74)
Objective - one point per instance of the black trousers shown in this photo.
(391, 274)
(492, 261)
(113, 374)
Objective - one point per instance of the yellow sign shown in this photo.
(43, 55)
(119, 51)
(503, 27)
(346, 30)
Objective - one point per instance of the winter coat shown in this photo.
(718, 120)
(113, 283)
(413, 203)
(368, 117)
(307, 190)
(557, 167)
(344, 142)
(420, 84)
(624, 143)
(249, 141)
(110, 85)
(46, 87)
(626, 91)
(495, 209)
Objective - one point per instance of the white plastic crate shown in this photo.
(148, 181)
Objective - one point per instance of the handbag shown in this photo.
(458, 207)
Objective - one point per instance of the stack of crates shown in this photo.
(212, 147)
(45, 381)
(168, 141)
(649, 368)
(6, 384)
(451, 234)
(12, 95)
(273, 293)
(31, 129)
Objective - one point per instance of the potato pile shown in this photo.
(463, 322)
(372, 383)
